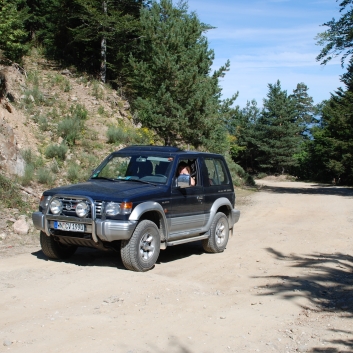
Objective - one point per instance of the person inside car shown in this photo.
(183, 168)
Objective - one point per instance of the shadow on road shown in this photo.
(315, 189)
(327, 285)
(110, 258)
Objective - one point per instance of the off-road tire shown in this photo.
(219, 234)
(141, 251)
(53, 249)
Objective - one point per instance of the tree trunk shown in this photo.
(103, 71)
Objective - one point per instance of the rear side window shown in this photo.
(216, 172)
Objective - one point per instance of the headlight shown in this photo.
(112, 209)
(82, 209)
(44, 201)
(56, 206)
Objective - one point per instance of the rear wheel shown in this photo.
(219, 234)
(55, 250)
(141, 251)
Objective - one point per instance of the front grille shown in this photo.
(98, 205)
(69, 207)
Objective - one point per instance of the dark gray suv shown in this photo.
(137, 203)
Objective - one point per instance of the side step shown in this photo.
(187, 240)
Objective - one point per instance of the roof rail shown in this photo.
(151, 148)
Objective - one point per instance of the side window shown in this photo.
(221, 171)
(216, 172)
(189, 166)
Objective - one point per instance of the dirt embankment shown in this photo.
(284, 284)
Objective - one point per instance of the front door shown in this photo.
(187, 205)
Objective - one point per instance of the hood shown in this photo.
(105, 190)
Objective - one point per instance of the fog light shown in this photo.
(56, 206)
(82, 209)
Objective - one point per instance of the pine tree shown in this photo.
(94, 35)
(13, 36)
(175, 95)
(332, 147)
(278, 135)
(304, 107)
(243, 127)
(338, 38)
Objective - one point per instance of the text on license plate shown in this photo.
(72, 227)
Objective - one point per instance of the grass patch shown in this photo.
(10, 194)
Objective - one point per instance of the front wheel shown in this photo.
(141, 251)
(55, 250)
(219, 234)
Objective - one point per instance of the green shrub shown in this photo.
(56, 151)
(101, 110)
(261, 175)
(65, 86)
(33, 77)
(116, 134)
(54, 167)
(10, 194)
(73, 173)
(45, 177)
(54, 114)
(37, 95)
(78, 111)
(69, 129)
(28, 156)
(97, 90)
(142, 136)
(239, 176)
(43, 123)
(28, 175)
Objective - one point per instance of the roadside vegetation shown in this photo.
(155, 56)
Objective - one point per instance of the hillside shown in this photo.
(39, 97)
(56, 125)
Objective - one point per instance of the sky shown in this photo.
(269, 40)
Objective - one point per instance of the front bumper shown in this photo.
(105, 230)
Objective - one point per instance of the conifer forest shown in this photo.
(157, 54)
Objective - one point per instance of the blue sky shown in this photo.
(267, 40)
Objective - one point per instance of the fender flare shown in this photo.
(222, 201)
(148, 206)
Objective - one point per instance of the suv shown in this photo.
(136, 202)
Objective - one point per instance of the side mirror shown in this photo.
(184, 181)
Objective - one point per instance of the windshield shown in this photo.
(146, 168)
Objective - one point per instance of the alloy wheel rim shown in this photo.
(220, 233)
(147, 246)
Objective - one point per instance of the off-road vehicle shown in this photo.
(136, 202)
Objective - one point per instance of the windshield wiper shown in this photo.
(104, 178)
(140, 181)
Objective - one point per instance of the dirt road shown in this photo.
(284, 284)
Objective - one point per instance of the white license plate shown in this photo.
(70, 227)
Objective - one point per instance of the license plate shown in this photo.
(70, 227)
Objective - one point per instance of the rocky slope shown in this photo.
(34, 99)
